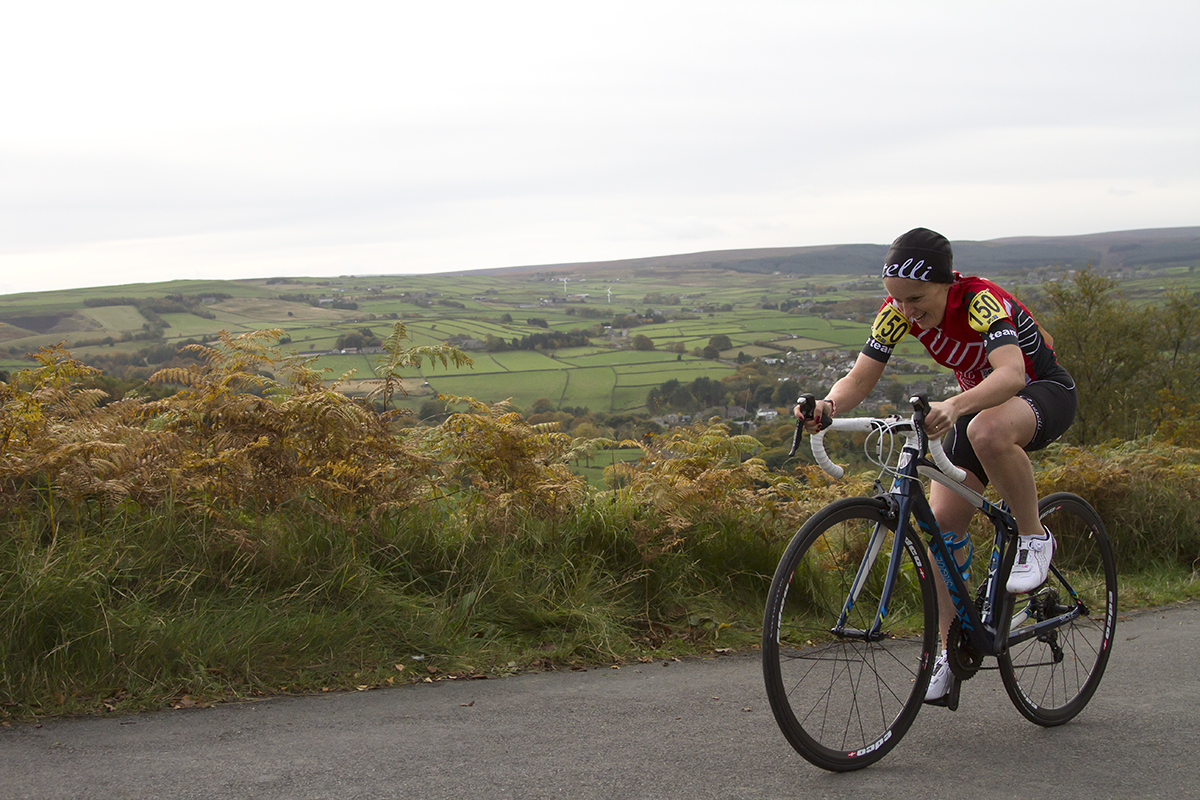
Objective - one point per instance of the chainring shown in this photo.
(963, 658)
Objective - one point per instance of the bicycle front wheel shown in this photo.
(1052, 676)
(844, 682)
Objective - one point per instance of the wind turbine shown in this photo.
(564, 280)
(610, 294)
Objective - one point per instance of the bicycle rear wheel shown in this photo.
(843, 700)
(1052, 676)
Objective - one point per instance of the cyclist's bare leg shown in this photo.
(998, 436)
(952, 513)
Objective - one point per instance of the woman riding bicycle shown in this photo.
(1015, 396)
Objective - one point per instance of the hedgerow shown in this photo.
(258, 532)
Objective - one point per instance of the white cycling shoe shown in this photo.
(1033, 563)
(939, 684)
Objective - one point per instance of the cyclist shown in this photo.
(1015, 398)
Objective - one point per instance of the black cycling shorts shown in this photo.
(1054, 405)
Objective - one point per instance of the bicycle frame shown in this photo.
(986, 627)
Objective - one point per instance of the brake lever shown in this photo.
(808, 409)
(920, 404)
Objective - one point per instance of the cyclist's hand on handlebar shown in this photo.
(808, 419)
(822, 417)
(940, 419)
(816, 416)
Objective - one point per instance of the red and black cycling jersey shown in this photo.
(980, 316)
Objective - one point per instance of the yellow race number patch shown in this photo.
(890, 326)
(985, 310)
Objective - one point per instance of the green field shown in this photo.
(117, 317)
(607, 376)
(522, 387)
(521, 361)
(590, 388)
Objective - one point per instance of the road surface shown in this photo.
(693, 729)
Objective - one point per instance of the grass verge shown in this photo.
(116, 609)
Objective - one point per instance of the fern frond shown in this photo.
(189, 376)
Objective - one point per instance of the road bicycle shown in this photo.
(851, 627)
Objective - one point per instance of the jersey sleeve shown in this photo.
(886, 332)
(992, 318)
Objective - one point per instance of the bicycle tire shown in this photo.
(844, 703)
(1050, 678)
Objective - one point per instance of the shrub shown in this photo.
(1146, 492)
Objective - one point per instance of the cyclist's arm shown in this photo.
(1005, 380)
(853, 388)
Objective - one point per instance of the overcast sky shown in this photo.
(148, 141)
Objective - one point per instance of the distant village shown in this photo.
(817, 371)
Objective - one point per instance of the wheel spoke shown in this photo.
(1050, 677)
(837, 698)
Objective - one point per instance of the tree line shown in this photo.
(1137, 367)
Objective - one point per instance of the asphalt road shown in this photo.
(692, 729)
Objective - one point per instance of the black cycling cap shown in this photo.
(920, 254)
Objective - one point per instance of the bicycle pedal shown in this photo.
(949, 699)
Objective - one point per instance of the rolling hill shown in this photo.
(1114, 250)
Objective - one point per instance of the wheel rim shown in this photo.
(843, 701)
(1051, 677)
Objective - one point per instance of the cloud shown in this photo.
(268, 138)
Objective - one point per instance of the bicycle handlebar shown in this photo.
(943, 462)
(867, 425)
(817, 441)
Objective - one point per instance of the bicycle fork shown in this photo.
(874, 548)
